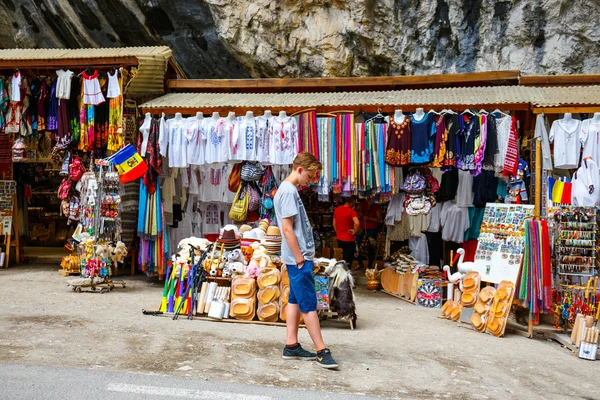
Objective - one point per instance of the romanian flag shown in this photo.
(129, 163)
(560, 192)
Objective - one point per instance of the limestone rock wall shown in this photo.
(284, 38)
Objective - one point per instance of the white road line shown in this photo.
(184, 393)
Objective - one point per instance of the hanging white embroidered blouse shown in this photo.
(244, 138)
(262, 139)
(63, 84)
(196, 141)
(217, 146)
(283, 140)
(92, 94)
(174, 142)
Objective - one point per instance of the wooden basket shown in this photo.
(268, 277)
(268, 312)
(268, 294)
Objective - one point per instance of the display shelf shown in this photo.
(35, 160)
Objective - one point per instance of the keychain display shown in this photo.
(576, 264)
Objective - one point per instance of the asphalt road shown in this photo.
(49, 383)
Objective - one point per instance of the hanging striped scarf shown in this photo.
(511, 161)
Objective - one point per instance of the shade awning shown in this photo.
(464, 96)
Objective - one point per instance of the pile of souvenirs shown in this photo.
(238, 276)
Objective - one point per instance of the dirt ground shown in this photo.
(398, 350)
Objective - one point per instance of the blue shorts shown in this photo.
(302, 287)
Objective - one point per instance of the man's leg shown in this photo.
(292, 321)
(311, 320)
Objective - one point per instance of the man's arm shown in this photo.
(356, 228)
(291, 240)
(334, 226)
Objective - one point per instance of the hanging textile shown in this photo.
(308, 139)
(511, 161)
(325, 126)
(535, 283)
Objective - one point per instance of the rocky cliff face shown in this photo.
(284, 38)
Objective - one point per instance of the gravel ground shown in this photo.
(398, 350)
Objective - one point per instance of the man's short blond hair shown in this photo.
(307, 161)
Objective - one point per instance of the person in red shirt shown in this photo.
(346, 225)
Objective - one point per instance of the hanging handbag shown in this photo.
(251, 171)
(254, 196)
(269, 191)
(239, 208)
(414, 183)
(235, 178)
(64, 188)
(432, 182)
(76, 169)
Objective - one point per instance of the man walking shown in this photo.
(297, 253)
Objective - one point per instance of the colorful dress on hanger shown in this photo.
(4, 100)
(151, 154)
(398, 146)
(115, 112)
(491, 146)
(441, 137)
(25, 128)
(453, 128)
(42, 103)
(74, 108)
(422, 137)
(466, 156)
(480, 145)
(101, 112)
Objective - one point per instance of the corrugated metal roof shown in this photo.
(54, 54)
(567, 95)
(443, 96)
(153, 62)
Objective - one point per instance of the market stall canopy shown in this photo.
(506, 97)
(152, 63)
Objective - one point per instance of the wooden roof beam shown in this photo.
(329, 84)
(559, 80)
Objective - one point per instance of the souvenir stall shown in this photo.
(61, 110)
(560, 274)
(438, 169)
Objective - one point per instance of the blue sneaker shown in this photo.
(325, 360)
(297, 353)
